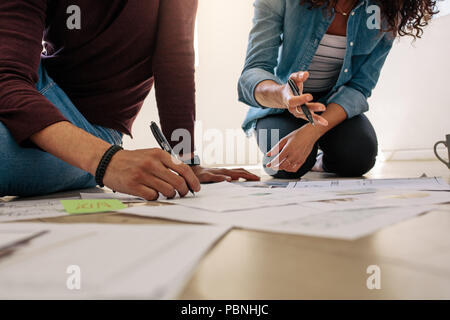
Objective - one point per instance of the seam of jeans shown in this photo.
(47, 88)
(116, 136)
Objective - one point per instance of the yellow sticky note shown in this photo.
(92, 205)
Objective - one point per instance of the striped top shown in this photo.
(326, 64)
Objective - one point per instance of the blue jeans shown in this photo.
(30, 171)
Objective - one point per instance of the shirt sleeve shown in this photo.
(262, 53)
(23, 110)
(353, 95)
(174, 67)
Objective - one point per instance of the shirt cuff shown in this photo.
(248, 83)
(351, 100)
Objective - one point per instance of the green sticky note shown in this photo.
(92, 205)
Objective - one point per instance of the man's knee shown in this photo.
(31, 172)
(6, 174)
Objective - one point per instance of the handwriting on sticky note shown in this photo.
(92, 205)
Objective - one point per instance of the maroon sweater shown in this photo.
(107, 68)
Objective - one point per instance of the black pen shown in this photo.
(164, 144)
(296, 92)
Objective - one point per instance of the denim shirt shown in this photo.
(284, 39)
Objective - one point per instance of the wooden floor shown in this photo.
(414, 256)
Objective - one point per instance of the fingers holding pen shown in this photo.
(313, 107)
(184, 171)
(299, 77)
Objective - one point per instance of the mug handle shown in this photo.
(436, 153)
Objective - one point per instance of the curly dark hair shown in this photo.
(403, 17)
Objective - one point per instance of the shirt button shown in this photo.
(346, 70)
(353, 13)
(351, 44)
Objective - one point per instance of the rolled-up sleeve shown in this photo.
(262, 53)
(353, 95)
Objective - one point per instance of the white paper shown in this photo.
(116, 262)
(117, 196)
(31, 209)
(261, 184)
(346, 224)
(259, 216)
(292, 219)
(410, 183)
(10, 238)
(376, 198)
(226, 197)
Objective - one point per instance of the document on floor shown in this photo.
(31, 209)
(259, 216)
(433, 183)
(342, 199)
(114, 196)
(344, 224)
(91, 261)
(11, 238)
(227, 197)
(292, 219)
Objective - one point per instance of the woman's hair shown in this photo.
(403, 17)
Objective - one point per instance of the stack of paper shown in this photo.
(279, 209)
(344, 209)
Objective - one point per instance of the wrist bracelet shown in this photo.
(103, 164)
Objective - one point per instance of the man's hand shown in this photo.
(146, 173)
(293, 150)
(206, 175)
(143, 173)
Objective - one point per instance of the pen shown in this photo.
(305, 109)
(164, 144)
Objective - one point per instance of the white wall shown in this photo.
(414, 79)
(410, 107)
(223, 28)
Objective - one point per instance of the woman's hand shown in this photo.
(206, 175)
(293, 150)
(293, 103)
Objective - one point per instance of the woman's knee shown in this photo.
(356, 157)
(271, 129)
